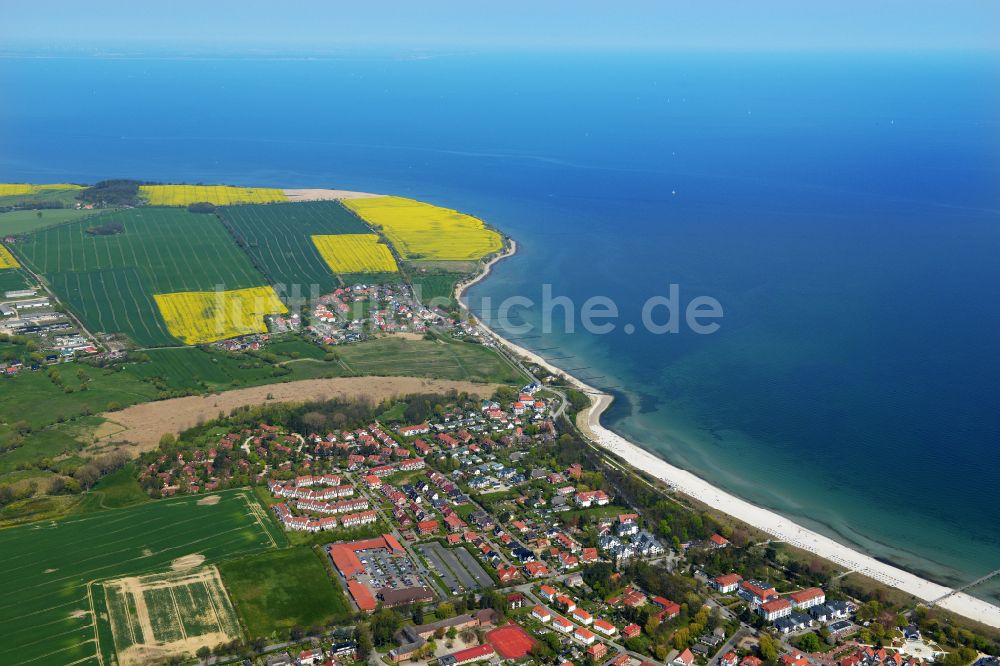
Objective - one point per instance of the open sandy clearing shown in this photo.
(144, 424)
(211, 500)
(316, 194)
(188, 561)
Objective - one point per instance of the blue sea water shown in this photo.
(843, 209)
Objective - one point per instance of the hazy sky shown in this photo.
(645, 24)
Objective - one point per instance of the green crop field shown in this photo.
(436, 288)
(278, 590)
(429, 358)
(12, 279)
(25, 221)
(173, 249)
(109, 278)
(47, 591)
(114, 300)
(279, 238)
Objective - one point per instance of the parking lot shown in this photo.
(457, 567)
(384, 570)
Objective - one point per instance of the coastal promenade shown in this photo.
(765, 520)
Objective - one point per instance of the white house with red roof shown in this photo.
(685, 658)
(584, 635)
(562, 625)
(605, 627)
(541, 613)
(775, 609)
(727, 583)
(807, 598)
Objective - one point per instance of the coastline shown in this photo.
(765, 520)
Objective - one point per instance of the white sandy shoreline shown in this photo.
(765, 520)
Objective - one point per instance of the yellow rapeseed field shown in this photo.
(355, 253)
(199, 317)
(7, 260)
(220, 195)
(421, 231)
(22, 189)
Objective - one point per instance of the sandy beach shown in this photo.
(319, 194)
(765, 520)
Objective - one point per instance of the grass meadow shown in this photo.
(428, 358)
(47, 597)
(278, 590)
(18, 222)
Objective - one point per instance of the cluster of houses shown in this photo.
(789, 612)
(337, 653)
(587, 629)
(336, 318)
(871, 656)
(623, 539)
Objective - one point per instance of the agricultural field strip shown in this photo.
(278, 235)
(355, 253)
(186, 267)
(171, 527)
(88, 601)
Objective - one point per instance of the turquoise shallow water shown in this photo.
(842, 209)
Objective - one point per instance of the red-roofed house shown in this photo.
(728, 659)
(631, 631)
(718, 541)
(566, 603)
(774, 609)
(796, 658)
(597, 651)
(582, 616)
(541, 613)
(670, 609)
(536, 570)
(548, 592)
(685, 658)
(807, 598)
(584, 635)
(562, 625)
(604, 627)
(428, 526)
(727, 583)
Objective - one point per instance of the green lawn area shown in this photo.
(194, 369)
(115, 491)
(278, 590)
(25, 221)
(395, 413)
(34, 398)
(436, 287)
(429, 358)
